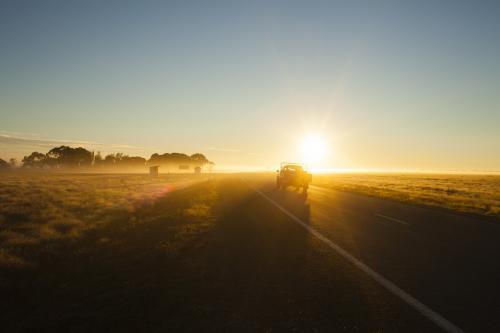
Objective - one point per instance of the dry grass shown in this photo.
(476, 194)
(91, 252)
(39, 208)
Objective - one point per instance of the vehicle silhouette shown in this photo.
(293, 174)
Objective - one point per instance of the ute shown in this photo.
(293, 174)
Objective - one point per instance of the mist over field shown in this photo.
(78, 160)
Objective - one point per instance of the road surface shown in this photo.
(447, 263)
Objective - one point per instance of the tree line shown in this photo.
(65, 157)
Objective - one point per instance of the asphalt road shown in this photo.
(446, 262)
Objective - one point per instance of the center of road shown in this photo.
(432, 315)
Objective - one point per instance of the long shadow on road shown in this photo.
(262, 272)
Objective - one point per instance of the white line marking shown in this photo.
(439, 320)
(392, 219)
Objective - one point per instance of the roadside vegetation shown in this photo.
(476, 194)
(70, 159)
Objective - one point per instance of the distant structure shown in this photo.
(197, 170)
(153, 170)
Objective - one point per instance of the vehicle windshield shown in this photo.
(293, 168)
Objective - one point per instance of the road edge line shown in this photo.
(393, 219)
(432, 315)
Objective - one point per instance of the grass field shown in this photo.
(82, 250)
(39, 209)
(477, 194)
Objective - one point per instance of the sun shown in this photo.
(313, 149)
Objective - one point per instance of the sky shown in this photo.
(410, 85)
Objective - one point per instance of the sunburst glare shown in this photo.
(313, 149)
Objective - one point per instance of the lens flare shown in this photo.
(313, 149)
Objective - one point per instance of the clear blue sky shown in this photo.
(387, 84)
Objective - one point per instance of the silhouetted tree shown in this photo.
(126, 161)
(109, 161)
(120, 160)
(199, 159)
(4, 165)
(175, 160)
(98, 159)
(65, 156)
(68, 157)
(35, 160)
(13, 163)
